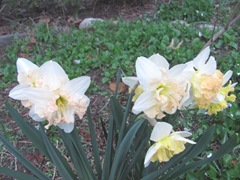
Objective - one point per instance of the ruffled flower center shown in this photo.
(206, 87)
(168, 147)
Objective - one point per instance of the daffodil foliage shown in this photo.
(140, 144)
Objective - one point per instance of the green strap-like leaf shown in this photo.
(28, 129)
(224, 149)
(81, 153)
(124, 119)
(58, 160)
(137, 157)
(123, 149)
(16, 174)
(117, 112)
(117, 83)
(22, 159)
(94, 144)
(73, 154)
(108, 152)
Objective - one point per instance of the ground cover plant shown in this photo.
(108, 46)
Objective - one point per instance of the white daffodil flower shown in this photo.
(163, 88)
(56, 98)
(167, 143)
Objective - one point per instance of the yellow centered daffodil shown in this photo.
(167, 143)
(207, 85)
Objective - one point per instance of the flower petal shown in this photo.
(180, 138)
(151, 151)
(25, 66)
(182, 133)
(130, 81)
(160, 130)
(160, 61)
(176, 71)
(40, 96)
(209, 67)
(67, 127)
(227, 76)
(53, 76)
(77, 86)
(201, 58)
(147, 72)
(35, 113)
(68, 115)
(144, 102)
(18, 92)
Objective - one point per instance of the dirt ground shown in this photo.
(9, 25)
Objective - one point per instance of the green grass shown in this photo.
(109, 46)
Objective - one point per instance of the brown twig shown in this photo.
(232, 20)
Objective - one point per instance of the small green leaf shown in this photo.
(58, 160)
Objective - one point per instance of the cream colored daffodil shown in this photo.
(56, 98)
(167, 143)
(163, 89)
(207, 84)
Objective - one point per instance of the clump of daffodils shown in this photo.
(163, 90)
(49, 94)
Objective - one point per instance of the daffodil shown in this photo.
(56, 98)
(163, 88)
(207, 84)
(167, 143)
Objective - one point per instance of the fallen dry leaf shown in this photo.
(33, 40)
(121, 87)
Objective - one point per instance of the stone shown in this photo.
(87, 22)
(6, 40)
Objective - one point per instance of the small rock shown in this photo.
(6, 40)
(87, 22)
(182, 22)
